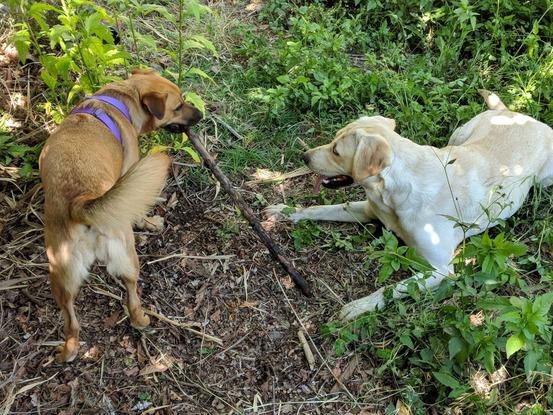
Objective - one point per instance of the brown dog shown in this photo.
(96, 187)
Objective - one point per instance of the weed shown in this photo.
(474, 328)
(73, 46)
(77, 52)
(12, 152)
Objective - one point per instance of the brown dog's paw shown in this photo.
(154, 223)
(67, 352)
(139, 320)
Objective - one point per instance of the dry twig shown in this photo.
(274, 249)
(306, 349)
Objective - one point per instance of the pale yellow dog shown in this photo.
(483, 175)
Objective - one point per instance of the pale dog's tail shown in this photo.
(492, 100)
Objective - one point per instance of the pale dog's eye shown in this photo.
(179, 107)
(335, 151)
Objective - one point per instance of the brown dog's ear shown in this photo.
(373, 155)
(139, 71)
(155, 103)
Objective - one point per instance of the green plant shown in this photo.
(311, 66)
(20, 154)
(78, 54)
(305, 233)
(68, 45)
(393, 257)
(529, 324)
(492, 256)
(474, 329)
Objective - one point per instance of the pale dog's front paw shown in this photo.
(280, 212)
(370, 303)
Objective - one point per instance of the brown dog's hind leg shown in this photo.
(139, 319)
(124, 263)
(65, 291)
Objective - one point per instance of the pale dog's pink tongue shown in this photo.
(317, 185)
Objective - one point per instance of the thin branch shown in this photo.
(273, 248)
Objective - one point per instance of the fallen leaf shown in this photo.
(287, 282)
(216, 316)
(112, 320)
(131, 372)
(402, 409)
(154, 368)
(172, 201)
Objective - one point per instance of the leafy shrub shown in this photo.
(310, 68)
(453, 339)
(418, 62)
(68, 45)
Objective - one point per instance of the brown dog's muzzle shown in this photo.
(193, 118)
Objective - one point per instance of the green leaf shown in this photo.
(283, 79)
(531, 360)
(48, 78)
(489, 359)
(426, 355)
(74, 91)
(207, 44)
(196, 9)
(384, 273)
(197, 71)
(26, 170)
(151, 8)
(37, 12)
(339, 347)
(511, 316)
(22, 43)
(196, 100)
(406, 340)
(455, 345)
(192, 44)
(195, 156)
(514, 344)
(93, 26)
(447, 380)
(288, 210)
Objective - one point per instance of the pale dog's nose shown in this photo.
(305, 158)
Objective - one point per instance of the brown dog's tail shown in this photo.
(492, 100)
(129, 199)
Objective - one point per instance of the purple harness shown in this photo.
(102, 116)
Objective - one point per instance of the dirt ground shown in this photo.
(228, 287)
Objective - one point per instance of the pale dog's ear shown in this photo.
(389, 122)
(373, 154)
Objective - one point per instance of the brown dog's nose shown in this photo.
(305, 158)
(196, 116)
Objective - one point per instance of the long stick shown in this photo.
(274, 249)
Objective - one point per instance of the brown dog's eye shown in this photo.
(335, 151)
(179, 107)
